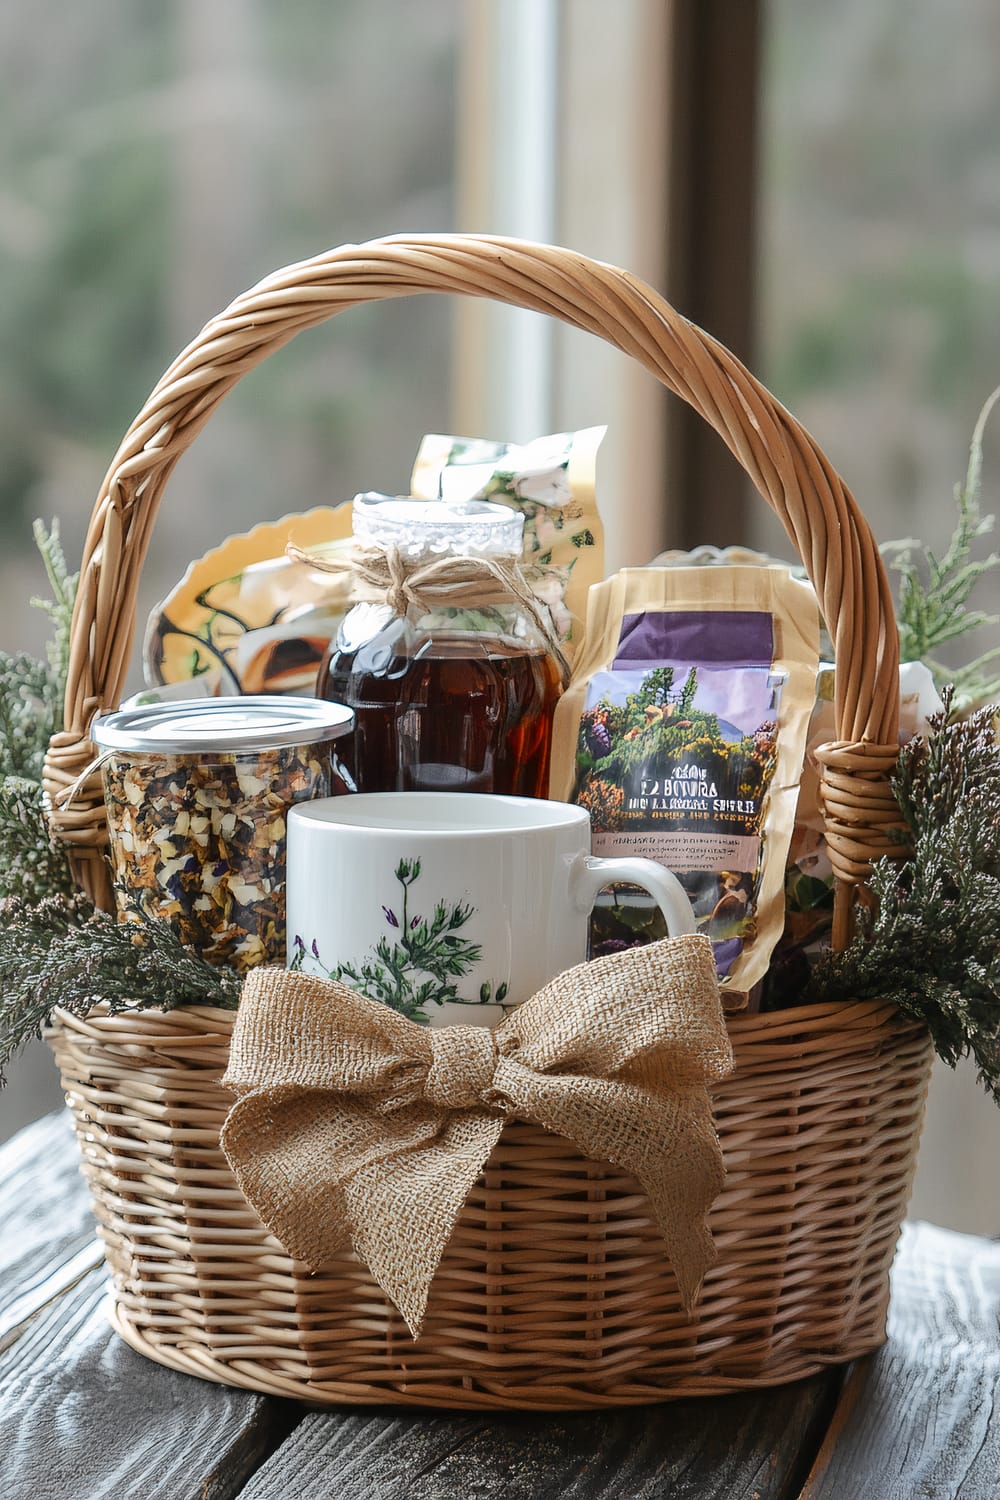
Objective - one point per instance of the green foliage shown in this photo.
(60, 607)
(654, 691)
(685, 704)
(31, 707)
(931, 943)
(31, 692)
(62, 953)
(32, 866)
(934, 593)
(30, 711)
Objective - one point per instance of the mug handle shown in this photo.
(591, 875)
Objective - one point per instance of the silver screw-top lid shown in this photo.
(420, 528)
(190, 726)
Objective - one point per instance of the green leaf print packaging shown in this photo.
(552, 482)
(683, 733)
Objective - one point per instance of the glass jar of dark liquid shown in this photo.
(445, 697)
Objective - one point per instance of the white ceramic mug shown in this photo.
(450, 906)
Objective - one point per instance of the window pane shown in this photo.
(880, 237)
(157, 159)
(880, 329)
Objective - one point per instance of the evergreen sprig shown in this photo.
(30, 711)
(62, 953)
(32, 866)
(60, 607)
(934, 593)
(931, 942)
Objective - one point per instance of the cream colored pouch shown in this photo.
(552, 482)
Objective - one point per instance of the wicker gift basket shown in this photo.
(554, 1291)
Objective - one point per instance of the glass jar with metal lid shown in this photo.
(197, 794)
(447, 659)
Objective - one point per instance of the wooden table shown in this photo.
(82, 1416)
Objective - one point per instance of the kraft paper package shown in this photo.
(552, 481)
(683, 733)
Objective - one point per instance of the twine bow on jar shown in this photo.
(355, 1127)
(384, 575)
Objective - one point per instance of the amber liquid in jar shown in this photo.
(470, 713)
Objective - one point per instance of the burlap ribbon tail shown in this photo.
(355, 1127)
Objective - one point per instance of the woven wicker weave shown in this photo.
(554, 1291)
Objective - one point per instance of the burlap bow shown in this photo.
(355, 1126)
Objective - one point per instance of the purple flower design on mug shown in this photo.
(421, 967)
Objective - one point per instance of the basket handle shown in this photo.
(828, 531)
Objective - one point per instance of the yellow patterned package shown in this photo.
(247, 617)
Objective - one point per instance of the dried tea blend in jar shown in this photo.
(447, 660)
(197, 794)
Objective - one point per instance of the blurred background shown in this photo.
(817, 185)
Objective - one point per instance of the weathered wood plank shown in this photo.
(84, 1415)
(747, 1447)
(48, 1241)
(44, 1205)
(81, 1414)
(921, 1417)
(25, 1301)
